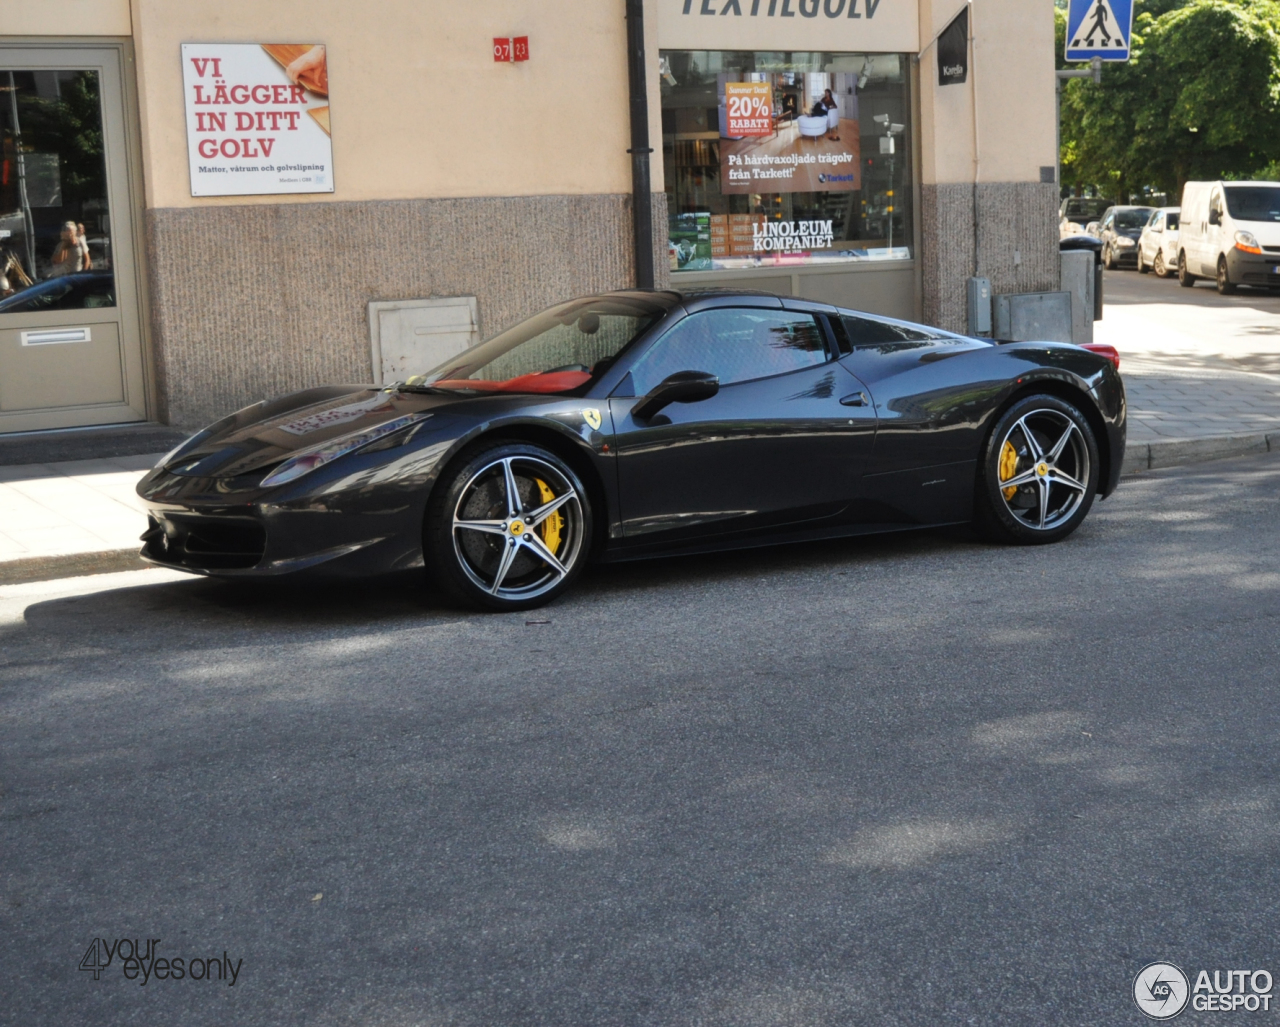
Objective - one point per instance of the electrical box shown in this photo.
(979, 306)
(409, 337)
(1033, 317)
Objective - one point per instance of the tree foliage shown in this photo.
(1198, 99)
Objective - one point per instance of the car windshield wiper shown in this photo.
(402, 387)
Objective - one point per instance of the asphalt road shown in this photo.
(908, 780)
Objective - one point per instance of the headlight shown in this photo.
(1123, 241)
(1248, 242)
(309, 459)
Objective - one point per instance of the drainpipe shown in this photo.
(641, 197)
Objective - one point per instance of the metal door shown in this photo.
(70, 339)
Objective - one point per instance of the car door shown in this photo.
(1151, 236)
(783, 443)
(1212, 244)
(929, 410)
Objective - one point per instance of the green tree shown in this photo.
(1199, 98)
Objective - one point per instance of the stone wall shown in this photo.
(255, 301)
(1013, 218)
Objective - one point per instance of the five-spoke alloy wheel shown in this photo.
(510, 529)
(1039, 473)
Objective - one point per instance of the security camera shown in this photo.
(881, 119)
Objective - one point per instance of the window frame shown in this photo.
(829, 352)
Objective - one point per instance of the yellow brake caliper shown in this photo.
(550, 528)
(1008, 467)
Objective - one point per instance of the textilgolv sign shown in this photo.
(1099, 28)
(257, 118)
(859, 26)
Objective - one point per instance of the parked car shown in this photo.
(1082, 210)
(638, 424)
(1230, 232)
(1158, 243)
(66, 292)
(1119, 232)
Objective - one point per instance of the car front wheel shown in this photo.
(1038, 473)
(509, 529)
(1142, 264)
(1225, 285)
(1158, 266)
(1108, 259)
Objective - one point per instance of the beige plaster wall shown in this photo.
(420, 108)
(1011, 69)
(64, 17)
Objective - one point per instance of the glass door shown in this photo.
(70, 345)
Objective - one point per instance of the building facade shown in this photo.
(204, 203)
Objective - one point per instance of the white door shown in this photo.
(70, 341)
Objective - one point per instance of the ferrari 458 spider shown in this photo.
(637, 424)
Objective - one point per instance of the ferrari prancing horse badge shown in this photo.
(592, 416)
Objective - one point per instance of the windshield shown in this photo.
(1134, 217)
(559, 350)
(1253, 203)
(1171, 220)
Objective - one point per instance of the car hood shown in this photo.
(1266, 232)
(263, 435)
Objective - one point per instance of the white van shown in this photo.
(1230, 232)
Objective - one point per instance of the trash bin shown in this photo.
(1094, 244)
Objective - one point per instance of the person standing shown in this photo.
(829, 104)
(71, 254)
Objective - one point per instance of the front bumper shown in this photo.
(1252, 269)
(357, 535)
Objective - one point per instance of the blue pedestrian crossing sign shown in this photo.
(1099, 28)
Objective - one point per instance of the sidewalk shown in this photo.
(64, 519)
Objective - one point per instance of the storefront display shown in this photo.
(783, 159)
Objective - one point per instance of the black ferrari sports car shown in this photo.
(636, 424)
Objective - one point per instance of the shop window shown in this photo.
(55, 226)
(780, 159)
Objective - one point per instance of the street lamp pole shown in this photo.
(1094, 71)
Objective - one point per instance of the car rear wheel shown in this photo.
(509, 529)
(1225, 285)
(1038, 473)
(1158, 265)
(1185, 278)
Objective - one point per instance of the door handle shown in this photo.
(856, 399)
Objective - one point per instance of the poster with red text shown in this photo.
(257, 118)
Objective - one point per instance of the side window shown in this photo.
(1107, 222)
(736, 345)
(872, 333)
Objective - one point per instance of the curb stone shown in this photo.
(1178, 452)
(1138, 458)
(70, 565)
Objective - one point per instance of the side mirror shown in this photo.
(681, 387)
(1215, 217)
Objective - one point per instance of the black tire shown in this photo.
(1009, 514)
(1223, 281)
(1108, 258)
(1158, 265)
(471, 565)
(1185, 278)
(1142, 264)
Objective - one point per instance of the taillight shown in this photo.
(1103, 350)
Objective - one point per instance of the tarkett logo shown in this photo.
(835, 178)
(139, 960)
